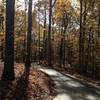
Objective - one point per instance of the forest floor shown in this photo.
(29, 85)
(44, 83)
(68, 87)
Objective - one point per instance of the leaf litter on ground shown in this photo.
(35, 85)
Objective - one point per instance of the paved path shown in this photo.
(69, 88)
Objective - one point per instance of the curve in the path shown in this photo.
(68, 88)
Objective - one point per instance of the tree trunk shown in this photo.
(84, 65)
(39, 40)
(81, 37)
(24, 53)
(98, 21)
(8, 73)
(49, 35)
(44, 34)
(29, 40)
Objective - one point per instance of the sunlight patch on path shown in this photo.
(90, 97)
(62, 97)
(50, 72)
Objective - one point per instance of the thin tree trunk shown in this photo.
(49, 34)
(24, 54)
(84, 66)
(39, 40)
(81, 36)
(44, 34)
(29, 40)
(98, 20)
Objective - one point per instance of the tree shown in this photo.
(39, 29)
(28, 52)
(25, 30)
(61, 15)
(81, 44)
(49, 34)
(44, 32)
(8, 73)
